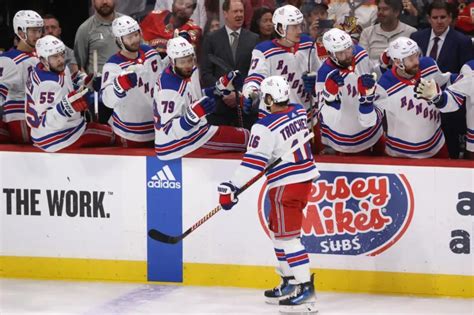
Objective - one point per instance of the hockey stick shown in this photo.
(311, 105)
(96, 94)
(164, 238)
(224, 66)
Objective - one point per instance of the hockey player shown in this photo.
(460, 93)
(15, 67)
(345, 92)
(53, 108)
(181, 108)
(289, 185)
(128, 85)
(288, 56)
(413, 125)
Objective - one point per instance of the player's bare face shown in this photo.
(412, 64)
(132, 41)
(57, 62)
(33, 34)
(293, 33)
(345, 57)
(184, 66)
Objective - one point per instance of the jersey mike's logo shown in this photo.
(164, 178)
(350, 213)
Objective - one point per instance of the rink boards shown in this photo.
(368, 228)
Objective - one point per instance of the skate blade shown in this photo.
(272, 301)
(302, 309)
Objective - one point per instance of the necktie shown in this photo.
(434, 49)
(235, 43)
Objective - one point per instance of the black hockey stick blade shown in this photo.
(163, 238)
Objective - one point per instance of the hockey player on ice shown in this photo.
(54, 109)
(15, 67)
(413, 123)
(460, 93)
(181, 106)
(128, 85)
(345, 88)
(289, 185)
(288, 56)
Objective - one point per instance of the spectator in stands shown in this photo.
(410, 13)
(375, 38)
(199, 15)
(251, 6)
(52, 27)
(234, 45)
(262, 24)
(451, 49)
(95, 34)
(212, 24)
(160, 26)
(364, 11)
(317, 23)
(465, 19)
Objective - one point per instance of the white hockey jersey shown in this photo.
(351, 128)
(132, 118)
(173, 135)
(413, 125)
(269, 58)
(270, 138)
(51, 128)
(15, 68)
(461, 93)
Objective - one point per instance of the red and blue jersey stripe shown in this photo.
(177, 145)
(139, 128)
(407, 147)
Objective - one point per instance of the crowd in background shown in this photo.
(443, 30)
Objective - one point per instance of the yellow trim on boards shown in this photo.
(238, 276)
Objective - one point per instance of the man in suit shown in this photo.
(234, 45)
(451, 49)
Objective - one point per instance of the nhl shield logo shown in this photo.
(353, 213)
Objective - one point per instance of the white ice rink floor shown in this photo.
(91, 298)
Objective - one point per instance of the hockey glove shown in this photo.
(309, 82)
(73, 103)
(331, 89)
(366, 87)
(232, 81)
(227, 197)
(429, 91)
(125, 82)
(249, 99)
(202, 107)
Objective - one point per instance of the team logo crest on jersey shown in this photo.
(353, 213)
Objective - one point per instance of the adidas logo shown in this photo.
(164, 178)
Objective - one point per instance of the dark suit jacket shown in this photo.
(217, 43)
(457, 49)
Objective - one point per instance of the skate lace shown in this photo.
(296, 292)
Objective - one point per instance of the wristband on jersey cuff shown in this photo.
(64, 108)
(189, 120)
(440, 100)
(366, 107)
(119, 91)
